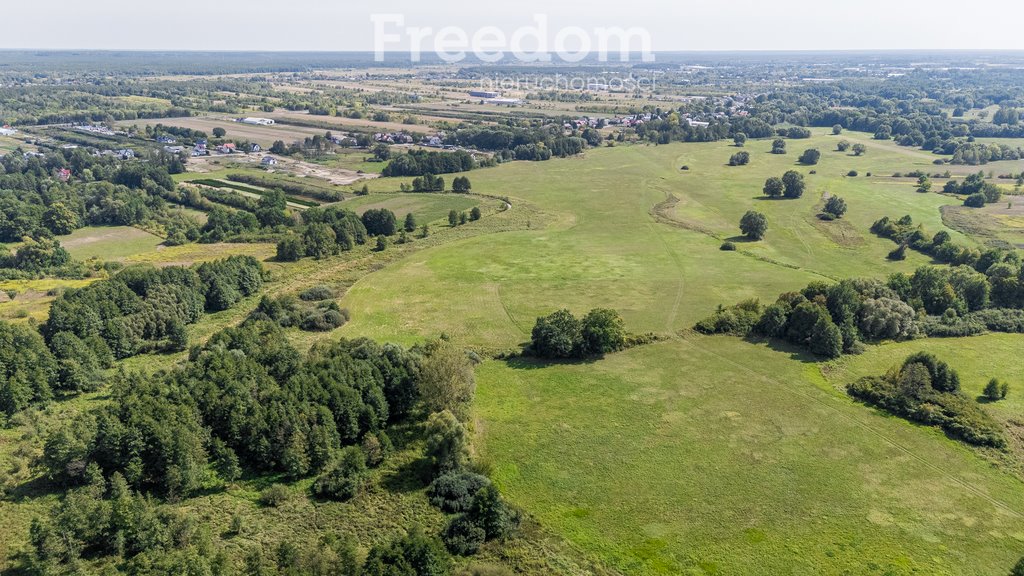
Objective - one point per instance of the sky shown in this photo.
(671, 25)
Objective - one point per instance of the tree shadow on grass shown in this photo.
(410, 476)
(534, 363)
(798, 353)
(741, 239)
(35, 488)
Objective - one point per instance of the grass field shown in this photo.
(693, 455)
(263, 135)
(426, 208)
(715, 456)
(704, 455)
(109, 242)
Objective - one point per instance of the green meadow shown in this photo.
(707, 455)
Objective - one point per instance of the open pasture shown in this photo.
(655, 460)
(109, 242)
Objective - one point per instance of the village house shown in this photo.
(268, 161)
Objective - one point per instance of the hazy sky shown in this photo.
(672, 24)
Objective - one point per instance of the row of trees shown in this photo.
(834, 319)
(790, 185)
(420, 162)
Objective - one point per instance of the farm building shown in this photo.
(257, 121)
(268, 161)
(483, 94)
(503, 101)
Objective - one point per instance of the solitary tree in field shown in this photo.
(859, 149)
(219, 132)
(410, 222)
(835, 206)
(754, 225)
(453, 218)
(794, 183)
(837, 129)
(810, 157)
(739, 139)
(774, 187)
(475, 214)
(843, 145)
(778, 146)
(740, 159)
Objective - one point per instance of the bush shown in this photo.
(463, 537)
(447, 442)
(316, 293)
(991, 392)
(492, 514)
(898, 253)
(413, 554)
(727, 246)
(737, 320)
(835, 206)
(810, 157)
(739, 159)
(345, 478)
(602, 332)
(975, 200)
(852, 174)
(453, 492)
(275, 495)
(906, 392)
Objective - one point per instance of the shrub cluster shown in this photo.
(926, 390)
(562, 335)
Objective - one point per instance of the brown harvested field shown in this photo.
(262, 135)
(343, 122)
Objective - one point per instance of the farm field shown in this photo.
(109, 242)
(810, 482)
(263, 135)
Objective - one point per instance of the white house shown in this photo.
(257, 121)
(268, 161)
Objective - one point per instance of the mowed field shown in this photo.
(705, 455)
(425, 208)
(109, 242)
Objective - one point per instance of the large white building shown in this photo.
(259, 121)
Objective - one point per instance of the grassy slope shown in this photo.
(710, 455)
(109, 242)
(713, 455)
(426, 208)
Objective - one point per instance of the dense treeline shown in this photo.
(832, 319)
(248, 401)
(141, 309)
(327, 231)
(35, 202)
(925, 389)
(245, 399)
(511, 143)
(420, 162)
